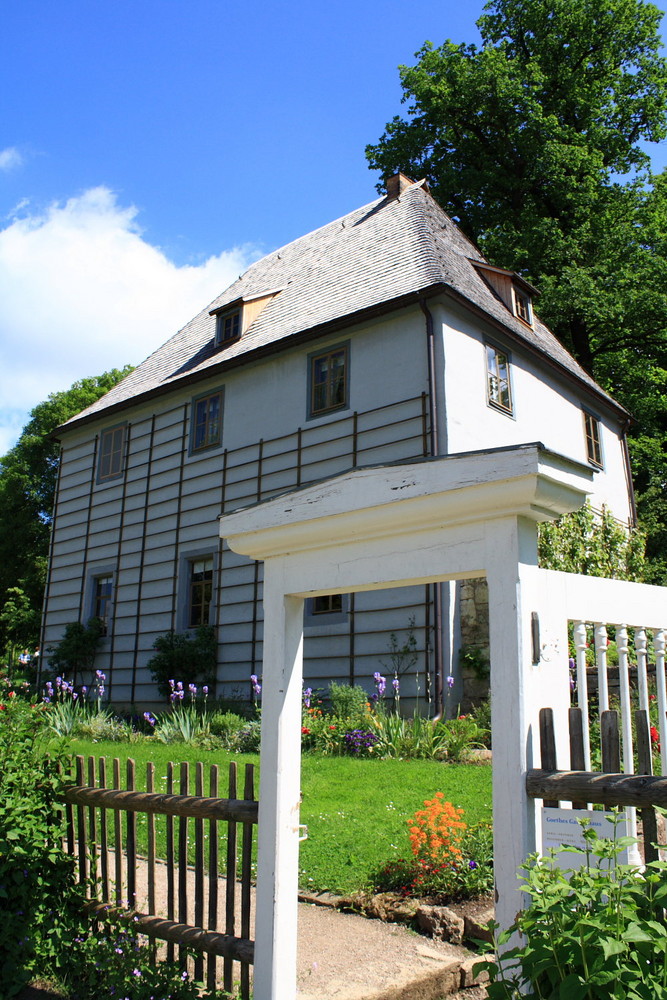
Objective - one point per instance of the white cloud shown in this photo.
(10, 158)
(81, 292)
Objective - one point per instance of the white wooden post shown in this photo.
(528, 672)
(280, 791)
(514, 833)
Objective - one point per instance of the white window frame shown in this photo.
(495, 381)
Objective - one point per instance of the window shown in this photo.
(102, 594)
(112, 453)
(228, 326)
(201, 591)
(206, 431)
(593, 440)
(498, 388)
(330, 604)
(522, 305)
(328, 609)
(328, 381)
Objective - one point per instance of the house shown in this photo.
(382, 337)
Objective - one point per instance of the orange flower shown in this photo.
(436, 831)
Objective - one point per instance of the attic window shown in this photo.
(522, 305)
(228, 327)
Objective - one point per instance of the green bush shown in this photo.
(226, 726)
(190, 658)
(594, 933)
(38, 898)
(348, 702)
(75, 653)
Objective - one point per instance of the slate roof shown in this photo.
(374, 258)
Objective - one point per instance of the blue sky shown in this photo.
(149, 150)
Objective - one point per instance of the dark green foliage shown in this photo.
(19, 620)
(75, 653)
(184, 657)
(533, 143)
(39, 904)
(28, 476)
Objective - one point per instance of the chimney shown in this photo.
(397, 184)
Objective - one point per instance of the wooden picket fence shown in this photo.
(608, 787)
(172, 892)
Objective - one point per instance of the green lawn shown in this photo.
(355, 809)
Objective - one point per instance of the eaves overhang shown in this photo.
(594, 393)
(321, 330)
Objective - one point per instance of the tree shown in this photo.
(28, 476)
(533, 142)
(19, 620)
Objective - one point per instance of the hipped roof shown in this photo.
(375, 259)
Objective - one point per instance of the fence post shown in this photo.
(280, 795)
(529, 668)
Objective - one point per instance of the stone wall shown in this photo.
(474, 656)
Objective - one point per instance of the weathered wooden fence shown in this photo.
(159, 875)
(608, 787)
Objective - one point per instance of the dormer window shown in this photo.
(228, 327)
(233, 318)
(511, 288)
(522, 305)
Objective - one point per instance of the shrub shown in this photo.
(226, 726)
(105, 727)
(591, 543)
(38, 898)
(595, 932)
(249, 737)
(180, 654)
(75, 653)
(348, 701)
